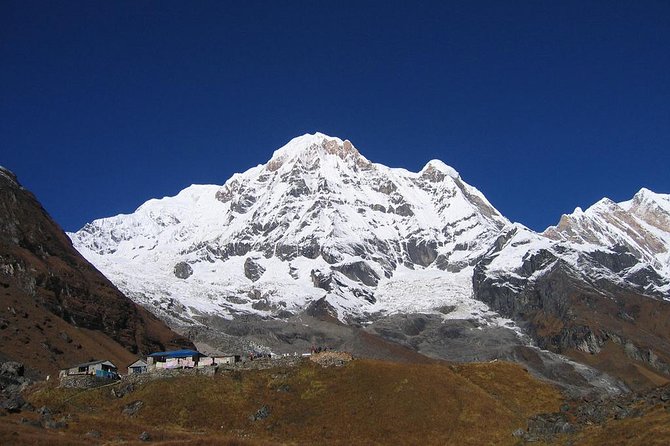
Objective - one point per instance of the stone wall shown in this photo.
(257, 364)
(84, 381)
(263, 364)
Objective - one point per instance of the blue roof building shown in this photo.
(177, 354)
(175, 359)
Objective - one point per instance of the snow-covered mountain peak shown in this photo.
(604, 204)
(437, 166)
(312, 151)
(318, 220)
(646, 198)
(653, 209)
(644, 193)
(641, 225)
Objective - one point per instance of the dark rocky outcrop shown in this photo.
(252, 269)
(243, 203)
(308, 247)
(591, 410)
(404, 210)
(421, 252)
(12, 382)
(615, 261)
(335, 281)
(261, 414)
(322, 280)
(359, 272)
(183, 270)
(131, 409)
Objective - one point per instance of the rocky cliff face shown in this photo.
(55, 303)
(602, 305)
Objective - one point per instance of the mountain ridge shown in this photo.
(320, 231)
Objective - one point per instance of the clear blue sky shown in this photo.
(542, 105)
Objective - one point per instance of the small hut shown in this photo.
(227, 359)
(139, 366)
(101, 369)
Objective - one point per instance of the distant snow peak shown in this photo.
(645, 193)
(640, 225)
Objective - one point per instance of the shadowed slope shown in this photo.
(56, 307)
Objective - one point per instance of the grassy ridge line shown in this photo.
(365, 402)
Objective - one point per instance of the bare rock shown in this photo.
(45, 413)
(133, 408)
(183, 270)
(322, 280)
(359, 271)
(31, 422)
(331, 359)
(52, 424)
(13, 404)
(421, 252)
(123, 389)
(252, 269)
(64, 336)
(261, 414)
(12, 369)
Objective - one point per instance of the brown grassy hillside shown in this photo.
(365, 402)
(45, 342)
(49, 293)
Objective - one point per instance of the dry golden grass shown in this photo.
(365, 402)
(653, 429)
